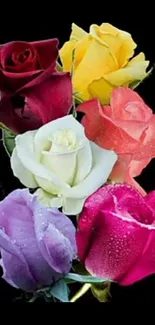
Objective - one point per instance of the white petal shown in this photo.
(73, 206)
(23, 174)
(45, 132)
(25, 152)
(84, 162)
(103, 162)
(63, 165)
(48, 200)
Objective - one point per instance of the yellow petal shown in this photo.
(119, 42)
(96, 62)
(126, 50)
(123, 77)
(101, 89)
(79, 39)
(66, 55)
(67, 50)
(77, 33)
(110, 29)
(127, 47)
(137, 58)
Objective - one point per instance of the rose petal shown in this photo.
(96, 56)
(92, 120)
(145, 265)
(73, 206)
(54, 232)
(20, 230)
(25, 152)
(51, 98)
(103, 162)
(83, 163)
(25, 176)
(15, 263)
(46, 131)
(62, 165)
(47, 51)
(112, 254)
(120, 97)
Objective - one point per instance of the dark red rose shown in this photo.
(28, 71)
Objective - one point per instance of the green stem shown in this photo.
(81, 292)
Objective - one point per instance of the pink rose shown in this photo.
(116, 235)
(33, 92)
(127, 126)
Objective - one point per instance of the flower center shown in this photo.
(63, 141)
(21, 57)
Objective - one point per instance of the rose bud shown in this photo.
(37, 244)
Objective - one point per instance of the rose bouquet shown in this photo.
(77, 134)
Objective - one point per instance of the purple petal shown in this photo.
(15, 264)
(19, 226)
(56, 237)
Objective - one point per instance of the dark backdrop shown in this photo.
(30, 25)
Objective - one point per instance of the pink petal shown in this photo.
(92, 120)
(145, 265)
(115, 235)
(121, 96)
(112, 253)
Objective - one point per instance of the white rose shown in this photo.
(60, 161)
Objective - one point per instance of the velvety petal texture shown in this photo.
(116, 233)
(60, 161)
(126, 126)
(37, 244)
(33, 92)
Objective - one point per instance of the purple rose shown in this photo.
(37, 244)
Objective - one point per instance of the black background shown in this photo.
(21, 22)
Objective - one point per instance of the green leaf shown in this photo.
(8, 138)
(84, 278)
(60, 291)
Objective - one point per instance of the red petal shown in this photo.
(52, 98)
(48, 52)
(14, 121)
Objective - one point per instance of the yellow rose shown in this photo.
(102, 61)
